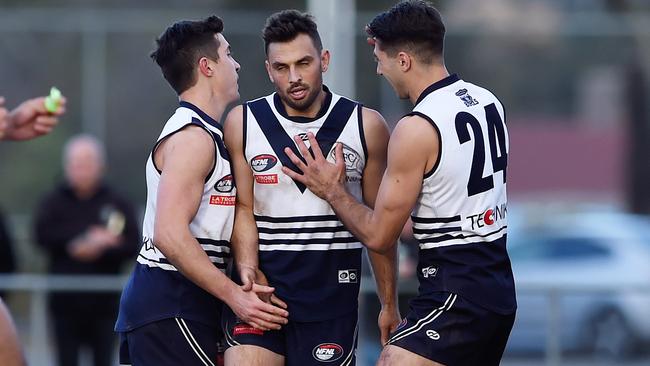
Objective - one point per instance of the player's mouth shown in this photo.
(298, 93)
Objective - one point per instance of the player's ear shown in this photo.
(324, 60)
(404, 61)
(268, 70)
(205, 67)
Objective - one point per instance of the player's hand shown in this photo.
(388, 321)
(323, 178)
(248, 275)
(252, 310)
(30, 119)
(251, 275)
(268, 298)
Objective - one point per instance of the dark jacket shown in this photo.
(63, 217)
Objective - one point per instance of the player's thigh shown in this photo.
(396, 356)
(252, 356)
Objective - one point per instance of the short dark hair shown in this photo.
(182, 45)
(286, 25)
(415, 25)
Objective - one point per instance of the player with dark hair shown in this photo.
(447, 167)
(170, 308)
(308, 256)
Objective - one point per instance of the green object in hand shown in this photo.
(52, 100)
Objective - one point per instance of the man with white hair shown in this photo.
(86, 228)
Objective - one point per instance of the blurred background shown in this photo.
(573, 76)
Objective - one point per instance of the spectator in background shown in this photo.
(86, 229)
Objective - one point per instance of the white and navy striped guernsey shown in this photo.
(156, 290)
(460, 218)
(311, 259)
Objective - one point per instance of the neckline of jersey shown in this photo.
(438, 85)
(279, 106)
(204, 116)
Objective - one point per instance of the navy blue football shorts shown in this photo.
(170, 342)
(445, 328)
(325, 343)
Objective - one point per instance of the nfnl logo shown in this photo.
(224, 185)
(328, 352)
(263, 162)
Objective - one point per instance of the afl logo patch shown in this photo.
(328, 352)
(225, 184)
(263, 162)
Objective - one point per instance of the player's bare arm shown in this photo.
(412, 151)
(244, 236)
(384, 265)
(185, 159)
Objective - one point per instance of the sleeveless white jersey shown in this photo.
(460, 218)
(212, 225)
(304, 248)
(156, 290)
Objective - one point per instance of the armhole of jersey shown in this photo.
(362, 135)
(435, 127)
(244, 128)
(155, 147)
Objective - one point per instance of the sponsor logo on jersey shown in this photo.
(351, 157)
(246, 329)
(263, 162)
(266, 178)
(327, 352)
(303, 136)
(225, 184)
(489, 217)
(222, 200)
(432, 334)
(466, 98)
(348, 276)
(430, 271)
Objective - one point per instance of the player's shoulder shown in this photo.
(372, 118)
(234, 118)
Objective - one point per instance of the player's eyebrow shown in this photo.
(306, 58)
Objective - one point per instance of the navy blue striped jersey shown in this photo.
(460, 218)
(156, 290)
(311, 259)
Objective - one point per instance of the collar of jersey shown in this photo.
(204, 116)
(279, 106)
(438, 85)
